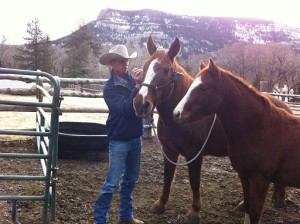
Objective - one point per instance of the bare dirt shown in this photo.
(79, 182)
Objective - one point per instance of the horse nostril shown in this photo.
(176, 116)
(145, 106)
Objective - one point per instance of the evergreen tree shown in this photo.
(46, 56)
(78, 62)
(83, 50)
(36, 53)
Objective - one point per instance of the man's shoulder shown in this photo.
(109, 82)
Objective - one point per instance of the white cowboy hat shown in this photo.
(118, 51)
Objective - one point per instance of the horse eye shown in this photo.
(203, 88)
(166, 70)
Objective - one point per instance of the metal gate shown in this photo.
(46, 134)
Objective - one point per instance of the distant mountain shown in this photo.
(197, 33)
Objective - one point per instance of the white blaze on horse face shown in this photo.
(148, 79)
(179, 108)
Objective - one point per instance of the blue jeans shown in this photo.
(124, 163)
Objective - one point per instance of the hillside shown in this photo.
(198, 34)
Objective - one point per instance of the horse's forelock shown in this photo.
(149, 60)
(162, 57)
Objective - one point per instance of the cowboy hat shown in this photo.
(118, 51)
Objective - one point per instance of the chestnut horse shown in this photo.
(165, 83)
(264, 140)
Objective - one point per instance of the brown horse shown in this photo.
(165, 84)
(278, 197)
(263, 139)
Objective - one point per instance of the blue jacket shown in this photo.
(122, 124)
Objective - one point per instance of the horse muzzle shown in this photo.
(142, 108)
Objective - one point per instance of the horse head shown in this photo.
(161, 73)
(202, 98)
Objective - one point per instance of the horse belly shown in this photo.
(280, 163)
(289, 164)
(289, 170)
(289, 178)
(253, 158)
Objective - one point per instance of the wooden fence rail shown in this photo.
(289, 99)
(29, 79)
(64, 93)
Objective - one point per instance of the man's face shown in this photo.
(120, 66)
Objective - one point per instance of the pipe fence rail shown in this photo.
(80, 90)
(46, 134)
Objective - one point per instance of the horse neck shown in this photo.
(165, 108)
(243, 109)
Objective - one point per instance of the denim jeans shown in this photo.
(124, 164)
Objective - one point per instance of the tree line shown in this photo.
(78, 57)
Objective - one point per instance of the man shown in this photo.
(124, 130)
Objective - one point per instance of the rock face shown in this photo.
(198, 33)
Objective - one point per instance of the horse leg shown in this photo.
(257, 195)
(244, 205)
(194, 168)
(169, 171)
(278, 197)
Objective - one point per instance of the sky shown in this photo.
(59, 18)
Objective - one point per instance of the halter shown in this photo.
(174, 78)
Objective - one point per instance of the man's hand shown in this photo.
(138, 76)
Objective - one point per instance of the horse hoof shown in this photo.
(240, 207)
(157, 209)
(192, 220)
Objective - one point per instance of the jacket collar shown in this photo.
(118, 81)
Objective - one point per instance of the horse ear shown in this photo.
(151, 46)
(174, 49)
(201, 65)
(213, 68)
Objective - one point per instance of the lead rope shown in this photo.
(186, 163)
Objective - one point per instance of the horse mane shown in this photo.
(231, 76)
(270, 108)
(245, 83)
(181, 69)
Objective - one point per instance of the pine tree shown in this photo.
(36, 53)
(83, 50)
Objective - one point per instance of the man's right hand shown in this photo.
(138, 76)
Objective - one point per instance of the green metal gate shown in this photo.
(46, 134)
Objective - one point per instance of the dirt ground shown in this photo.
(79, 182)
